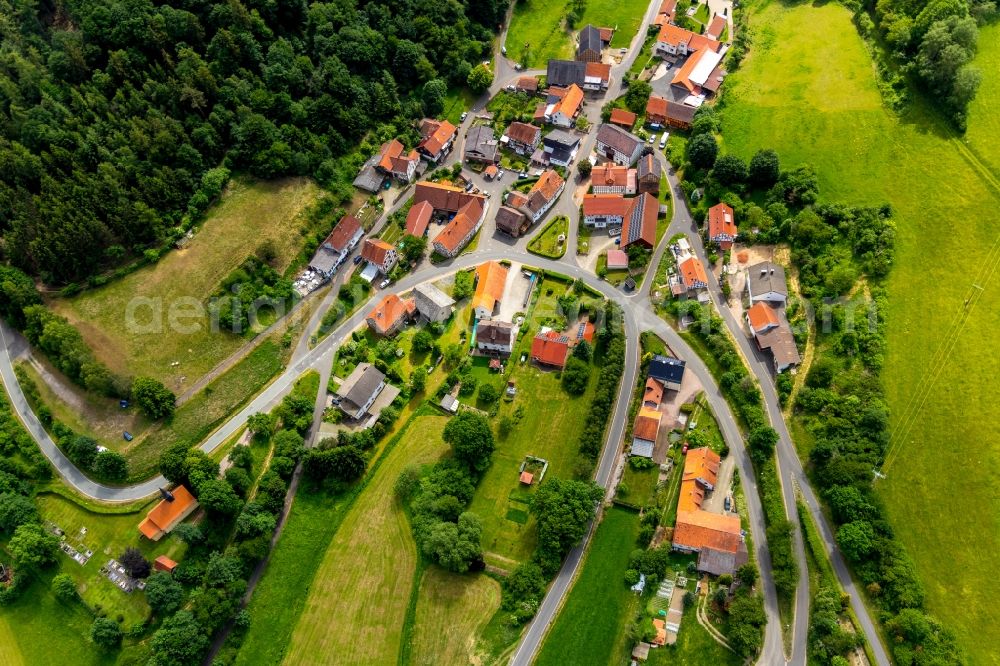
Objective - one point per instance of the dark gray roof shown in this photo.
(648, 165)
(564, 72)
(492, 331)
(615, 137)
(781, 343)
(431, 293)
(510, 221)
(666, 369)
(361, 385)
(481, 141)
(369, 179)
(324, 260)
(680, 112)
(766, 276)
(718, 562)
(561, 139)
(590, 39)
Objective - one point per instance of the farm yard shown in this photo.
(452, 610)
(819, 104)
(248, 215)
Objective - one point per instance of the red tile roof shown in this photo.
(656, 108)
(609, 174)
(527, 83)
(647, 424)
(166, 514)
(570, 103)
(491, 279)
(436, 134)
(605, 204)
(375, 250)
(598, 69)
(721, 222)
(547, 185)
(675, 36)
(392, 158)
(716, 28)
(550, 348)
(342, 234)
(164, 563)
(693, 273)
(654, 392)
(697, 530)
(702, 463)
(527, 478)
(617, 260)
(762, 317)
(456, 231)
(418, 218)
(623, 118)
(389, 311)
(606, 34)
(443, 196)
(523, 133)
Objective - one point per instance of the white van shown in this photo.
(663, 140)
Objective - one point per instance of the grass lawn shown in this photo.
(984, 122)
(817, 102)
(363, 583)
(107, 536)
(537, 33)
(248, 214)
(452, 610)
(694, 647)
(590, 628)
(626, 15)
(456, 102)
(546, 242)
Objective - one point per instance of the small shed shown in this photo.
(449, 404)
(527, 478)
(164, 563)
(641, 652)
(490, 172)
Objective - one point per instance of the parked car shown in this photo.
(500, 174)
(465, 114)
(663, 140)
(652, 138)
(357, 260)
(728, 503)
(127, 436)
(523, 174)
(384, 283)
(503, 50)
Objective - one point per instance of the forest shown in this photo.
(117, 116)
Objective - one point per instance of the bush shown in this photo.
(106, 633)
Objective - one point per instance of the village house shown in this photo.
(656, 111)
(540, 198)
(722, 225)
(558, 148)
(674, 40)
(618, 145)
(589, 46)
(481, 145)
(390, 316)
(393, 162)
(611, 178)
(636, 217)
(511, 221)
(527, 84)
(438, 139)
(495, 337)
(645, 429)
(369, 178)
(550, 348)
(652, 394)
(469, 211)
(563, 106)
(693, 275)
(649, 172)
(716, 27)
(666, 12)
(337, 246)
(522, 138)
(773, 334)
(701, 75)
(432, 303)
(356, 394)
(667, 371)
(622, 118)
(680, 115)
(418, 218)
(596, 77)
(379, 254)
(491, 280)
(175, 506)
(766, 282)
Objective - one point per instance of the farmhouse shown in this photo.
(669, 372)
(716, 538)
(622, 118)
(393, 162)
(491, 279)
(359, 391)
(558, 147)
(379, 255)
(766, 282)
(522, 138)
(469, 209)
(611, 178)
(331, 254)
(722, 225)
(656, 111)
(175, 506)
(495, 337)
(590, 44)
(481, 145)
(773, 334)
(391, 314)
(511, 221)
(652, 395)
(563, 106)
(540, 198)
(418, 217)
(644, 432)
(432, 303)
(636, 217)
(701, 75)
(550, 349)
(618, 145)
(438, 138)
(649, 171)
(674, 40)
(563, 73)
(596, 77)
(605, 210)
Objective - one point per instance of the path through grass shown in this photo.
(816, 101)
(355, 607)
(452, 610)
(248, 215)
